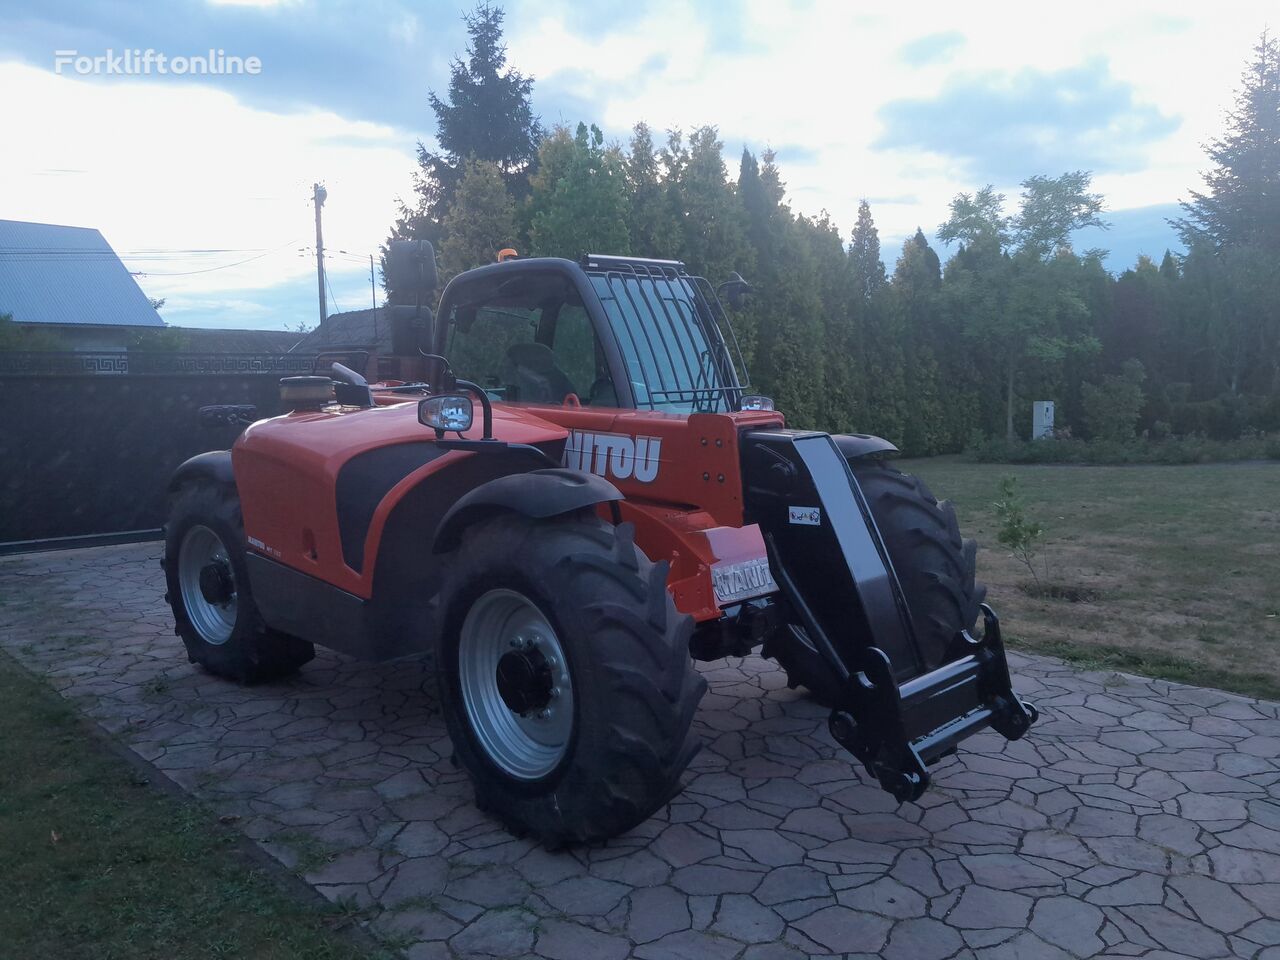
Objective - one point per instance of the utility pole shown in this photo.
(373, 295)
(318, 196)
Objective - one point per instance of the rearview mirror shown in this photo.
(447, 412)
(734, 290)
(411, 329)
(411, 271)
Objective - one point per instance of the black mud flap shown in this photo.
(898, 713)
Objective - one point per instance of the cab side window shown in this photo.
(532, 346)
(480, 341)
(579, 355)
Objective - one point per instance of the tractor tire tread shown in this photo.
(935, 565)
(634, 734)
(253, 653)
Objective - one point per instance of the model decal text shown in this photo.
(616, 455)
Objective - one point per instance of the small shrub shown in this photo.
(1017, 531)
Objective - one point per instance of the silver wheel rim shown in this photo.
(213, 621)
(530, 745)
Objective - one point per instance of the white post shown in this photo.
(1042, 420)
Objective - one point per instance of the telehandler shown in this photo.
(567, 492)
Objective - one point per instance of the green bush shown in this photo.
(1112, 407)
(1222, 418)
(16, 338)
(1195, 449)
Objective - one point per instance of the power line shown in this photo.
(225, 266)
(142, 252)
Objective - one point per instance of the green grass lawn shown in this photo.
(96, 862)
(1183, 563)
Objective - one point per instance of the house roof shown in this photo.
(354, 330)
(56, 274)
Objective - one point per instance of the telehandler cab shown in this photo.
(622, 505)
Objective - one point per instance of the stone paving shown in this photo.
(1141, 818)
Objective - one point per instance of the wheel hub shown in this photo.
(207, 585)
(524, 681)
(515, 684)
(216, 583)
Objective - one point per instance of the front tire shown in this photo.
(936, 569)
(207, 581)
(565, 677)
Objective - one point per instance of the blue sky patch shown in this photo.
(1006, 127)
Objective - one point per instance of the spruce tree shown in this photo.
(864, 255)
(487, 115)
(1240, 205)
(1233, 232)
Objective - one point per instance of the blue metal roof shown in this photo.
(55, 274)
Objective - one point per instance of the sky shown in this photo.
(203, 183)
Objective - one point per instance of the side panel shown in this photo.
(363, 482)
(317, 488)
(303, 606)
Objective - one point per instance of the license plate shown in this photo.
(743, 580)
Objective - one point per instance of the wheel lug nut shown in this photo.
(555, 693)
(544, 714)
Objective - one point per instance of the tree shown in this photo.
(917, 281)
(864, 255)
(481, 220)
(486, 115)
(652, 227)
(579, 199)
(1022, 311)
(977, 219)
(1052, 209)
(711, 221)
(783, 328)
(1241, 202)
(1112, 408)
(1233, 231)
(842, 403)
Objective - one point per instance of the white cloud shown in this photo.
(160, 167)
(815, 74)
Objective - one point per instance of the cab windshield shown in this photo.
(661, 325)
(529, 338)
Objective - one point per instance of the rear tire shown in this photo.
(936, 569)
(572, 604)
(207, 580)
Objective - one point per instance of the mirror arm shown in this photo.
(486, 405)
